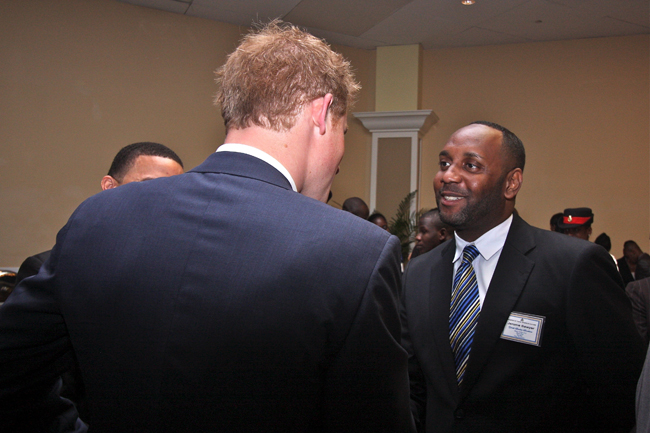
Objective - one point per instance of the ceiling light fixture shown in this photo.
(468, 2)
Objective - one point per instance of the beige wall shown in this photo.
(353, 179)
(581, 108)
(82, 78)
(393, 174)
(399, 71)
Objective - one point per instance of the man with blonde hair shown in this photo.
(230, 298)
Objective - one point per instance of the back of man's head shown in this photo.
(126, 157)
(555, 219)
(604, 241)
(356, 206)
(275, 72)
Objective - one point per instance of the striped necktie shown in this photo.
(464, 311)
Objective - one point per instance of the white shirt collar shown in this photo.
(489, 243)
(259, 154)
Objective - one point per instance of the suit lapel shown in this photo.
(440, 298)
(508, 281)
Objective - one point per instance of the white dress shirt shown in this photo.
(259, 154)
(489, 246)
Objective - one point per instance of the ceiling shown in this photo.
(432, 23)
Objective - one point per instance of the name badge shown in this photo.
(524, 328)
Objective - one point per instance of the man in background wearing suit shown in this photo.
(133, 163)
(231, 297)
(638, 292)
(512, 328)
(627, 263)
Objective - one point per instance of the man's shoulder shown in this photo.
(639, 286)
(567, 254)
(345, 222)
(547, 240)
(434, 259)
(31, 265)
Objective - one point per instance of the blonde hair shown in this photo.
(275, 71)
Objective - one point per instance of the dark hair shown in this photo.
(356, 206)
(555, 219)
(631, 244)
(431, 213)
(438, 223)
(375, 216)
(604, 241)
(642, 267)
(511, 144)
(125, 158)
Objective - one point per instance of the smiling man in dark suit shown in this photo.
(231, 297)
(511, 328)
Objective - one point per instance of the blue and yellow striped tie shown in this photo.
(464, 311)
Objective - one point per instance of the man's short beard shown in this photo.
(471, 213)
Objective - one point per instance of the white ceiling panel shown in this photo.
(476, 36)
(225, 16)
(632, 11)
(163, 5)
(432, 23)
(542, 20)
(349, 17)
(250, 8)
(346, 40)
(426, 21)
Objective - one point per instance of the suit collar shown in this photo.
(260, 154)
(239, 164)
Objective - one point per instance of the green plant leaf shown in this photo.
(404, 224)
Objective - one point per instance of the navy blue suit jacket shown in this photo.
(581, 378)
(216, 300)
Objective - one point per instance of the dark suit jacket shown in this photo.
(643, 398)
(31, 265)
(639, 294)
(216, 300)
(624, 269)
(589, 344)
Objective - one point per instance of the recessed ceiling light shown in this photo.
(468, 2)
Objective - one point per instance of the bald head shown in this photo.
(356, 206)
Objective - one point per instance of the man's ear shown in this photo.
(513, 183)
(319, 112)
(108, 182)
(442, 234)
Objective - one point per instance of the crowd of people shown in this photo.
(233, 298)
